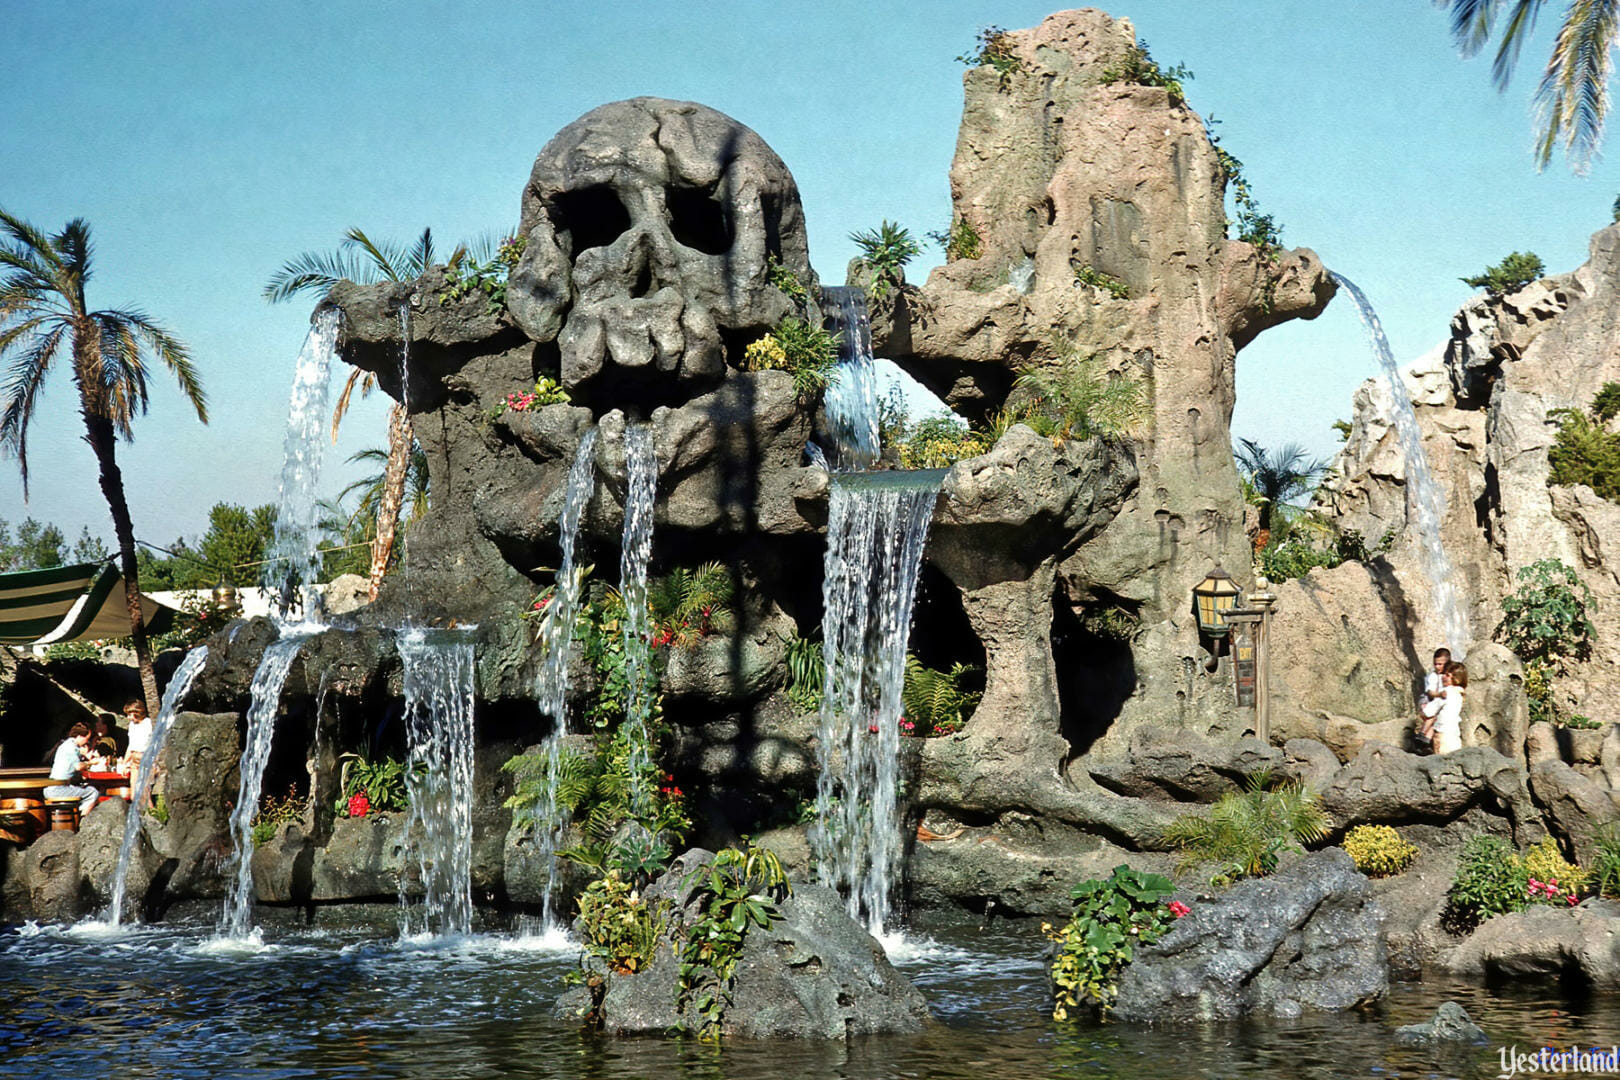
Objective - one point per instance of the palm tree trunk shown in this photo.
(393, 495)
(103, 440)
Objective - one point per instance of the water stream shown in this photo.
(439, 693)
(179, 685)
(877, 526)
(1426, 501)
(294, 559)
(850, 404)
(557, 642)
(641, 464)
(237, 919)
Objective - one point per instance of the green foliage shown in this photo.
(1545, 863)
(358, 258)
(1245, 832)
(1343, 428)
(619, 926)
(1096, 279)
(274, 813)
(1606, 404)
(1110, 919)
(466, 275)
(1582, 723)
(805, 349)
(995, 50)
(1584, 452)
(738, 891)
(1615, 209)
(1276, 479)
(547, 391)
(807, 673)
(1109, 622)
(960, 241)
(1604, 873)
(939, 442)
(1292, 555)
(788, 283)
(160, 809)
(1139, 67)
(1545, 620)
(1253, 226)
(1077, 398)
(382, 782)
(38, 545)
(936, 702)
(884, 252)
(688, 605)
(1378, 850)
(1510, 275)
(1491, 880)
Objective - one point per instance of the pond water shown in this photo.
(351, 1000)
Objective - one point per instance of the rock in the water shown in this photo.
(56, 890)
(1542, 942)
(101, 834)
(813, 974)
(1307, 938)
(1450, 1024)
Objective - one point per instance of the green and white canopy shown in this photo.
(84, 602)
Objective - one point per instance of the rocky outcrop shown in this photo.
(1387, 786)
(1578, 808)
(1306, 938)
(196, 778)
(814, 974)
(1561, 945)
(1451, 1024)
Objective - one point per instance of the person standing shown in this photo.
(1448, 725)
(66, 768)
(140, 736)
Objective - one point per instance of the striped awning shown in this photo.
(84, 602)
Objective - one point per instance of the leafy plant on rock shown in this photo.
(1491, 880)
(466, 274)
(275, 812)
(939, 442)
(805, 350)
(1606, 403)
(1096, 279)
(936, 702)
(1545, 620)
(807, 673)
(1546, 865)
(619, 926)
(1603, 876)
(1584, 451)
(1110, 919)
(1138, 67)
(379, 786)
(1510, 275)
(1378, 850)
(884, 252)
(1077, 398)
(995, 50)
(1245, 832)
(960, 241)
(739, 890)
(690, 604)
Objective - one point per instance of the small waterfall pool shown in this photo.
(346, 998)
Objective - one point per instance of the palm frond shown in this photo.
(366, 381)
(123, 376)
(420, 258)
(167, 348)
(73, 244)
(316, 272)
(21, 391)
(27, 238)
(1572, 99)
(388, 260)
(1471, 22)
(1520, 25)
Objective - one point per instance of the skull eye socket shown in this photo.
(592, 216)
(698, 219)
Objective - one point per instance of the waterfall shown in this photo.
(439, 692)
(173, 694)
(641, 465)
(1426, 502)
(236, 921)
(850, 403)
(294, 560)
(876, 528)
(557, 641)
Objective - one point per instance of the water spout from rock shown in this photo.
(173, 694)
(1426, 502)
(641, 464)
(850, 403)
(294, 558)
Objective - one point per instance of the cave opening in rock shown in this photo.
(1096, 669)
(698, 219)
(592, 216)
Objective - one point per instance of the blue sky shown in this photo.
(207, 143)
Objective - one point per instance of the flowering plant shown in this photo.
(1177, 908)
(359, 804)
(547, 391)
(1111, 918)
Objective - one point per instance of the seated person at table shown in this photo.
(140, 736)
(104, 736)
(65, 769)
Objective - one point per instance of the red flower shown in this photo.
(1178, 909)
(872, 728)
(359, 805)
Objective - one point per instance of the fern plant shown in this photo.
(936, 701)
(807, 673)
(690, 604)
(1077, 398)
(1245, 832)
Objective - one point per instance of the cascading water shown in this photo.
(641, 463)
(237, 919)
(877, 526)
(850, 404)
(173, 694)
(439, 692)
(294, 557)
(1426, 502)
(557, 641)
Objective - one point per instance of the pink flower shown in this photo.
(1178, 909)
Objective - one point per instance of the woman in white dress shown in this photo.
(1448, 725)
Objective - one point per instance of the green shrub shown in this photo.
(884, 252)
(807, 673)
(1545, 620)
(1096, 279)
(688, 605)
(274, 813)
(1545, 863)
(1139, 67)
(1606, 404)
(1110, 919)
(1491, 880)
(741, 889)
(619, 926)
(805, 350)
(1604, 873)
(788, 283)
(1378, 850)
(1584, 452)
(936, 702)
(1510, 275)
(960, 241)
(1245, 832)
(940, 442)
(1077, 398)
(995, 50)
(381, 782)
(465, 275)
(1110, 622)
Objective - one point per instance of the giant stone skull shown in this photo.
(649, 223)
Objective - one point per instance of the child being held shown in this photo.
(1434, 694)
(1448, 725)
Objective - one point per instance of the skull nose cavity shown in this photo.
(591, 216)
(643, 282)
(698, 219)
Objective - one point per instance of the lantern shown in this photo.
(1212, 599)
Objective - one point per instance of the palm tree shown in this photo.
(1572, 99)
(1275, 480)
(359, 259)
(44, 313)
